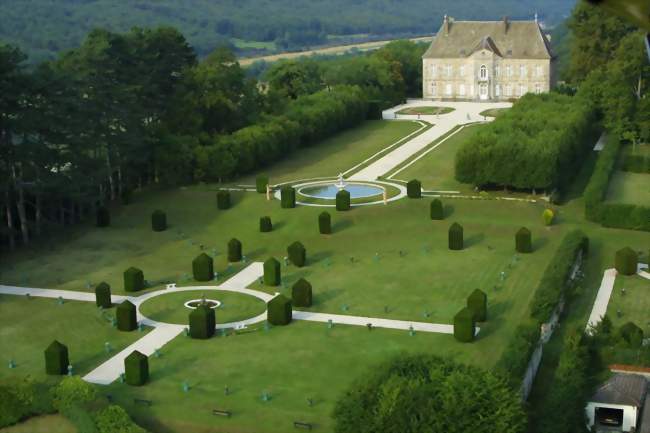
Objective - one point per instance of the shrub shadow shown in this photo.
(448, 211)
(341, 225)
(495, 318)
(539, 242)
(321, 297)
(256, 253)
(278, 225)
(313, 259)
(473, 240)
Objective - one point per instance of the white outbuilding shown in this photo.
(618, 404)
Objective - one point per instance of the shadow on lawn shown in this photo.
(495, 318)
(341, 225)
(474, 239)
(314, 259)
(448, 210)
(322, 297)
(539, 243)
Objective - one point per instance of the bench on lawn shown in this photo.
(300, 424)
(225, 413)
(142, 401)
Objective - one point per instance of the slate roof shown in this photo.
(644, 427)
(623, 389)
(521, 40)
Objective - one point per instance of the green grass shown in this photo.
(426, 110)
(170, 308)
(629, 188)
(492, 112)
(42, 424)
(259, 45)
(634, 305)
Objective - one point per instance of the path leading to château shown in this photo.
(374, 321)
(602, 298)
(464, 113)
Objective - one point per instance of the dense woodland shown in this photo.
(43, 28)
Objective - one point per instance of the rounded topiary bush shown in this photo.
(464, 326)
(325, 223)
(477, 302)
(523, 241)
(202, 322)
(265, 224)
(223, 199)
(56, 358)
(127, 316)
(343, 200)
(261, 183)
(297, 254)
(301, 293)
(436, 210)
(136, 369)
(203, 267)
(456, 237)
(272, 272)
(287, 197)
(234, 250)
(414, 189)
(133, 279)
(103, 217)
(279, 311)
(103, 295)
(158, 221)
(631, 334)
(548, 216)
(626, 261)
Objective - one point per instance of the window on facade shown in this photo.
(462, 71)
(522, 90)
(448, 89)
(483, 72)
(538, 70)
(509, 70)
(508, 90)
(461, 90)
(497, 90)
(538, 88)
(497, 70)
(433, 71)
(434, 89)
(522, 71)
(449, 69)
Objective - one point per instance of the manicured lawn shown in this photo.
(28, 326)
(170, 308)
(42, 424)
(630, 188)
(634, 305)
(426, 110)
(492, 112)
(259, 45)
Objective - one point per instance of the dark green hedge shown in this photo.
(414, 189)
(456, 237)
(464, 326)
(272, 272)
(343, 200)
(297, 254)
(436, 210)
(158, 221)
(555, 280)
(203, 267)
(626, 261)
(625, 216)
(279, 311)
(260, 184)
(126, 316)
(265, 224)
(523, 241)
(636, 163)
(325, 223)
(202, 322)
(136, 369)
(133, 279)
(103, 295)
(287, 197)
(223, 200)
(477, 302)
(56, 358)
(234, 250)
(103, 217)
(632, 334)
(517, 353)
(301, 293)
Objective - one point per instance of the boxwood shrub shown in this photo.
(626, 261)
(456, 237)
(279, 311)
(158, 221)
(103, 217)
(260, 184)
(301, 293)
(523, 241)
(477, 302)
(297, 254)
(234, 250)
(133, 279)
(464, 326)
(325, 223)
(202, 322)
(272, 272)
(223, 199)
(203, 267)
(631, 334)
(343, 200)
(436, 210)
(136, 368)
(56, 358)
(287, 197)
(127, 317)
(265, 224)
(103, 295)
(414, 189)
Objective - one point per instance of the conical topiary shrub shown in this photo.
(203, 267)
(279, 311)
(464, 326)
(260, 184)
(343, 200)
(325, 223)
(265, 224)
(103, 217)
(297, 254)
(477, 302)
(436, 210)
(133, 279)
(272, 272)
(127, 316)
(103, 295)
(301, 294)
(456, 237)
(56, 358)
(626, 261)
(158, 221)
(234, 250)
(202, 322)
(523, 241)
(414, 189)
(287, 197)
(223, 199)
(136, 369)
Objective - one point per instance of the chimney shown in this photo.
(505, 24)
(445, 25)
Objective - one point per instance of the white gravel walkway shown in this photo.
(376, 322)
(602, 298)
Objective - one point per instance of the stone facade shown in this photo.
(491, 61)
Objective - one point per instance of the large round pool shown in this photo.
(329, 190)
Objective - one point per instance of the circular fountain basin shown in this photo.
(192, 304)
(328, 190)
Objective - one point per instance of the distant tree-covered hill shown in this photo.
(44, 27)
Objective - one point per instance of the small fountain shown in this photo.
(340, 184)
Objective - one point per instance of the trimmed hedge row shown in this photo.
(517, 353)
(636, 163)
